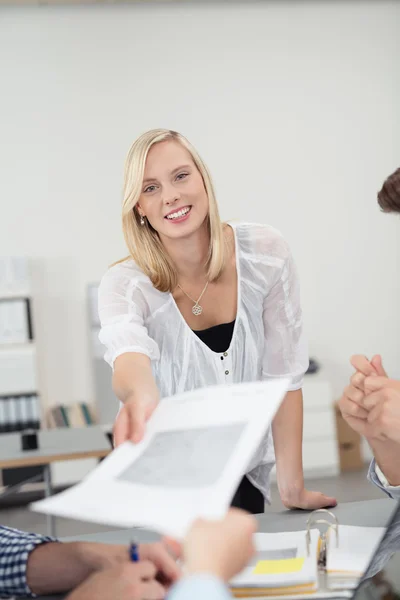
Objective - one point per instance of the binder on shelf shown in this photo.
(17, 370)
(12, 414)
(2, 416)
(15, 321)
(18, 413)
(33, 412)
(7, 420)
(325, 563)
(23, 410)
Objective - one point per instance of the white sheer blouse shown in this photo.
(267, 340)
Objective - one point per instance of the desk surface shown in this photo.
(55, 445)
(369, 513)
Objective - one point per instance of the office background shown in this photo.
(294, 107)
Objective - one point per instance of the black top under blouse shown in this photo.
(217, 338)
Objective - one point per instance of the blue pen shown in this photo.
(134, 551)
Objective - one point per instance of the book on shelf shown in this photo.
(80, 414)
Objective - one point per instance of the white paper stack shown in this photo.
(283, 569)
(281, 566)
(347, 562)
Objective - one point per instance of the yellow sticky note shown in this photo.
(275, 567)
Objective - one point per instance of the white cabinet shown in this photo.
(320, 450)
(70, 472)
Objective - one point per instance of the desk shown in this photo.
(55, 445)
(366, 512)
(370, 512)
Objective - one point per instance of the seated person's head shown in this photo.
(389, 196)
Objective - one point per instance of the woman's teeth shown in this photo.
(178, 214)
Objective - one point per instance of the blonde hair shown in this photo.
(143, 242)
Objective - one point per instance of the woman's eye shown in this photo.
(149, 189)
(182, 176)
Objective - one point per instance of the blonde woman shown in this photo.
(199, 302)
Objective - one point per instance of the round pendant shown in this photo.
(197, 310)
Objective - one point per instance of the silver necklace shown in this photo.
(196, 309)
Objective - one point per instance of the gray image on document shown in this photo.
(192, 458)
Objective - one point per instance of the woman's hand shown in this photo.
(307, 500)
(135, 386)
(131, 420)
(287, 430)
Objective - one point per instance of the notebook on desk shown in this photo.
(325, 560)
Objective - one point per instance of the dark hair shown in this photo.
(389, 196)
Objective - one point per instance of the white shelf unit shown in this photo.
(18, 373)
(71, 472)
(19, 394)
(18, 366)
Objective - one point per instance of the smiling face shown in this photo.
(173, 197)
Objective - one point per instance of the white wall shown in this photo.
(293, 105)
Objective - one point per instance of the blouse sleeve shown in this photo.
(122, 309)
(286, 352)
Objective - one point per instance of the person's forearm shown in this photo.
(387, 456)
(287, 430)
(56, 567)
(134, 378)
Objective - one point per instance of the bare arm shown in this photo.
(133, 378)
(134, 385)
(123, 311)
(287, 429)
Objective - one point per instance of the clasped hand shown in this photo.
(371, 403)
